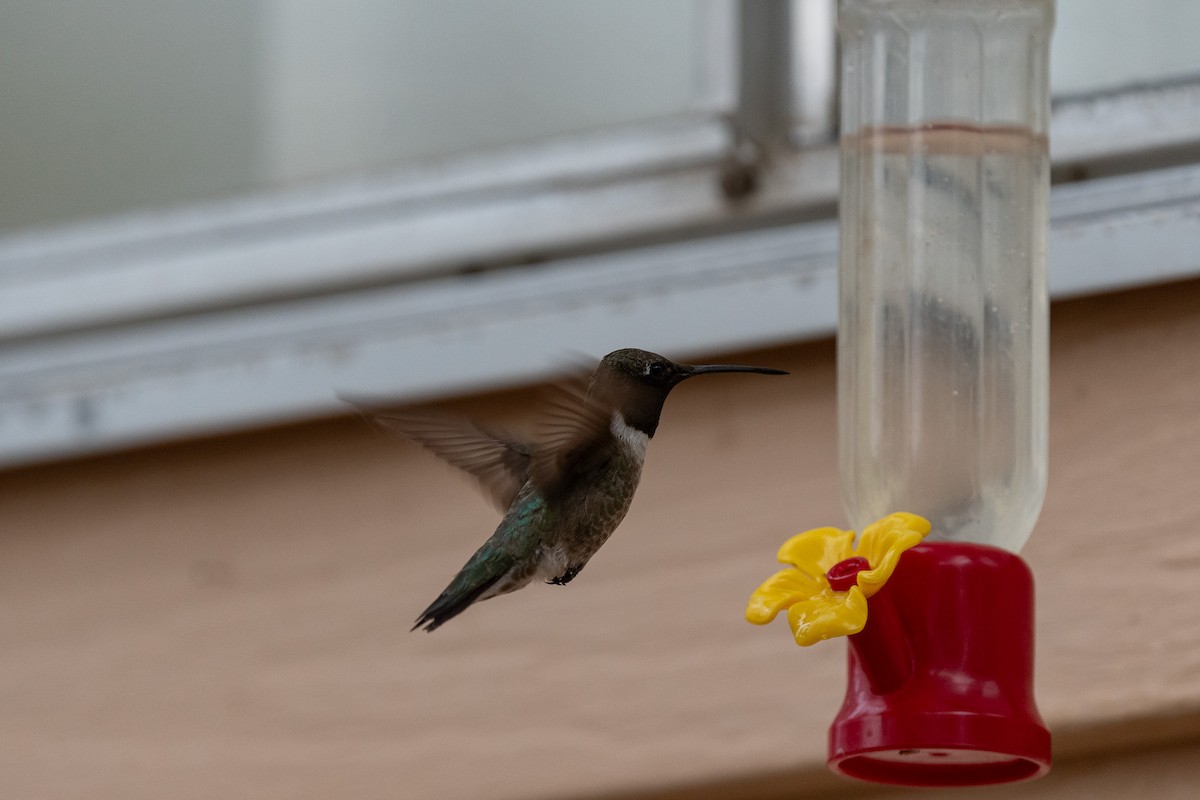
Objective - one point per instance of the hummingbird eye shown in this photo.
(656, 370)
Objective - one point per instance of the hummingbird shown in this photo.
(564, 490)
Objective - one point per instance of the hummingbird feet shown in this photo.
(566, 577)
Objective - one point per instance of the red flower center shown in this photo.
(844, 573)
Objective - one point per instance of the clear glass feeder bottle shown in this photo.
(942, 339)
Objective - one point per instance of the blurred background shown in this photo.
(216, 216)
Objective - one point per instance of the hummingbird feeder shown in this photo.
(942, 394)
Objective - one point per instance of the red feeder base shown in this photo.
(941, 679)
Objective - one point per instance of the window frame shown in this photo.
(473, 273)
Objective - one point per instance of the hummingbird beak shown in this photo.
(708, 369)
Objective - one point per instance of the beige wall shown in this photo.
(229, 618)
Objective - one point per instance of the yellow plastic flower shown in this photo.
(826, 588)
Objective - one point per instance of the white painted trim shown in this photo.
(657, 180)
(102, 389)
(509, 206)
(715, 76)
(1125, 124)
(1125, 231)
(813, 71)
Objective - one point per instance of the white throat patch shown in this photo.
(632, 437)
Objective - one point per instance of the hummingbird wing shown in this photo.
(500, 462)
(574, 437)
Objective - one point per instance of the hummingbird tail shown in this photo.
(450, 604)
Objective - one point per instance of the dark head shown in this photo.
(637, 382)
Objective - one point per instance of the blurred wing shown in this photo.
(500, 463)
(575, 433)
